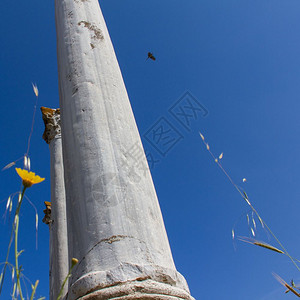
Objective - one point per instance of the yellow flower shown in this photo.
(29, 178)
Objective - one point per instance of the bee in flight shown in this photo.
(150, 55)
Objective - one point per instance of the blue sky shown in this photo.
(240, 61)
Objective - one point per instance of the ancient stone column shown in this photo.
(57, 221)
(115, 226)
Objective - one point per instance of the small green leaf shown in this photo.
(34, 289)
(19, 253)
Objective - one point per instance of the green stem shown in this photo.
(10, 242)
(18, 271)
(64, 283)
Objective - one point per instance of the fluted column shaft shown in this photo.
(59, 262)
(115, 224)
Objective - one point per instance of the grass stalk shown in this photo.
(245, 197)
(16, 230)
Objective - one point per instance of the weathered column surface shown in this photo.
(58, 223)
(115, 226)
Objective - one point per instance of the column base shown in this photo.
(147, 290)
(130, 281)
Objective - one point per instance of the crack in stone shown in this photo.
(114, 238)
(110, 240)
(78, 1)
